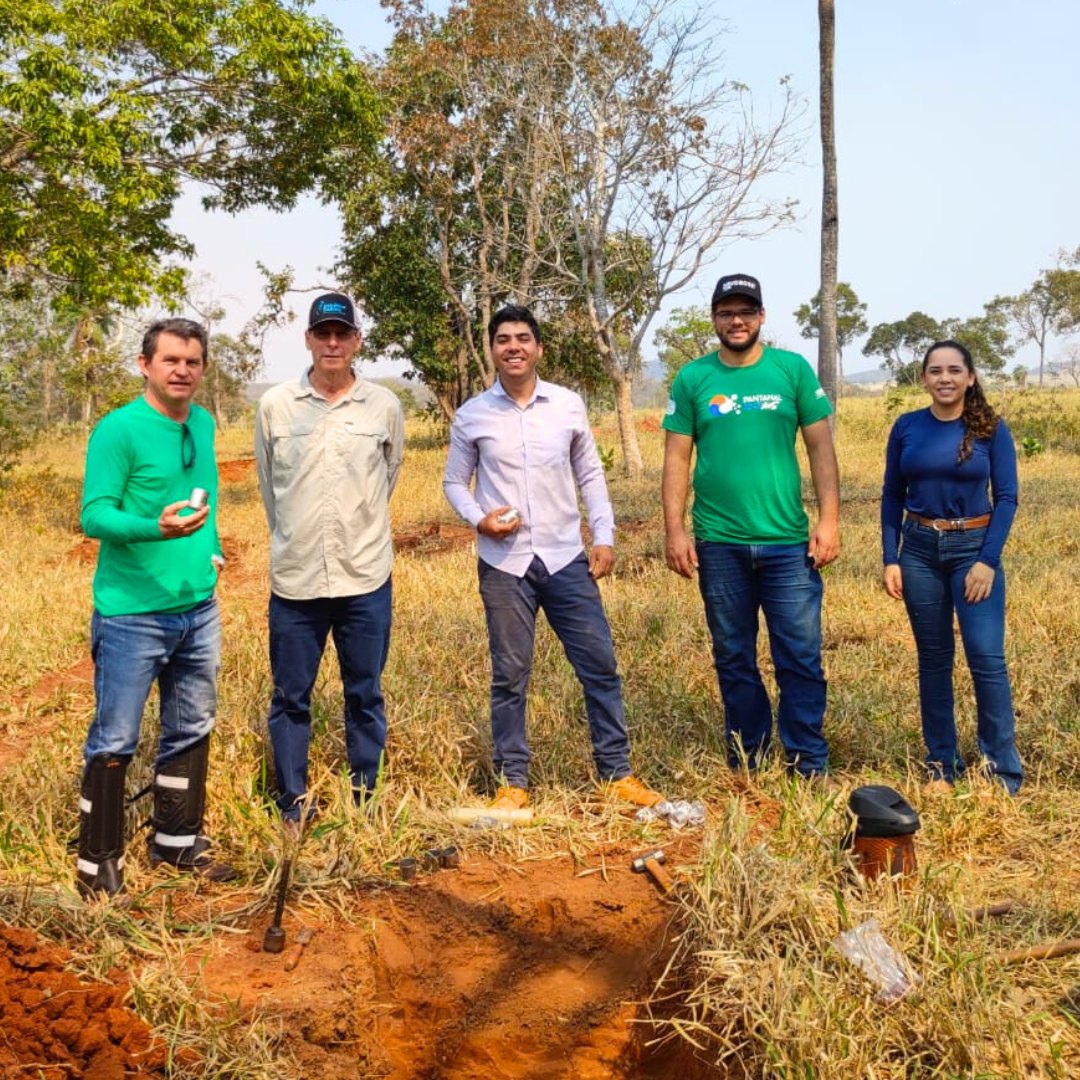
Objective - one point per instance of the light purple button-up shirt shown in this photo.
(530, 457)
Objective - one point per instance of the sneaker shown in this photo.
(632, 790)
(510, 798)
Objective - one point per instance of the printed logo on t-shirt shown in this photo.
(671, 406)
(724, 404)
(819, 392)
(730, 405)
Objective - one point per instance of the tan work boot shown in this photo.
(510, 798)
(632, 790)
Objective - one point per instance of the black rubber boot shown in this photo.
(179, 805)
(101, 826)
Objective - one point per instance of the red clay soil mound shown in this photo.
(492, 970)
(54, 1027)
(235, 471)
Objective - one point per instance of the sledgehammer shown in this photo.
(651, 863)
(274, 938)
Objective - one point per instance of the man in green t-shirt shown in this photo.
(740, 408)
(149, 496)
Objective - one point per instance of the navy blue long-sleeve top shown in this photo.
(922, 476)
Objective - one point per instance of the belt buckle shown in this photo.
(958, 525)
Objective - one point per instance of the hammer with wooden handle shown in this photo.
(303, 936)
(651, 863)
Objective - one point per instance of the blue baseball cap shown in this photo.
(333, 307)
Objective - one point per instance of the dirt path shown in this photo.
(492, 970)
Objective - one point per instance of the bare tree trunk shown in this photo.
(633, 463)
(830, 212)
(446, 405)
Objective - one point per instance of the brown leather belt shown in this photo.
(951, 524)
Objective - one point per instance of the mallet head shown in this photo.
(273, 939)
(638, 865)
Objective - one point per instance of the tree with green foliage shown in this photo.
(584, 165)
(901, 345)
(687, 334)
(107, 107)
(850, 319)
(985, 336)
(234, 362)
(1050, 306)
(658, 161)
(444, 230)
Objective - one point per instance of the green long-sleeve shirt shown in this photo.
(134, 469)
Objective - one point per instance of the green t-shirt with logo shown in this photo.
(743, 420)
(138, 461)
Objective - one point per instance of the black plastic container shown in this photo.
(880, 811)
(883, 837)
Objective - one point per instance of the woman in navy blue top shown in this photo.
(947, 504)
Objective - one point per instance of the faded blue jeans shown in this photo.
(736, 581)
(933, 566)
(571, 601)
(181, 652)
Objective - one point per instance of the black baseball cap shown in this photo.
(738, 285)
(333, 307)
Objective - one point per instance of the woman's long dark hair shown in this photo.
(978, 416)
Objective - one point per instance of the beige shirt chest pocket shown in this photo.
(293, 449)
(361, 448)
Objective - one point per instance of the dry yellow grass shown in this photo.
(762, 985)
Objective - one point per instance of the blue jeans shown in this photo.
(571, 601)
(182, 652)
(737, 580)
(298, 631)
(933, 566)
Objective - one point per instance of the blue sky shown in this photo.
(959, 157)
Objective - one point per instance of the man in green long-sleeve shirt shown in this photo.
(155, 616)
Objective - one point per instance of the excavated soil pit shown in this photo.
(533, 969)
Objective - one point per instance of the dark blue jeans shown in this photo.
(571, 601)
(298, 630)
(181, 651)
(933, 566)
(736, 581)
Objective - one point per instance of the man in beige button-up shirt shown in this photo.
(328, 448)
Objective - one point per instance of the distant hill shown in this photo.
(863, 378)
(255, 390)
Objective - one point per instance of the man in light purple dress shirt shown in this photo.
(529, 445)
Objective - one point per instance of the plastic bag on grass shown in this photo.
(865, 946)
(679, 813)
